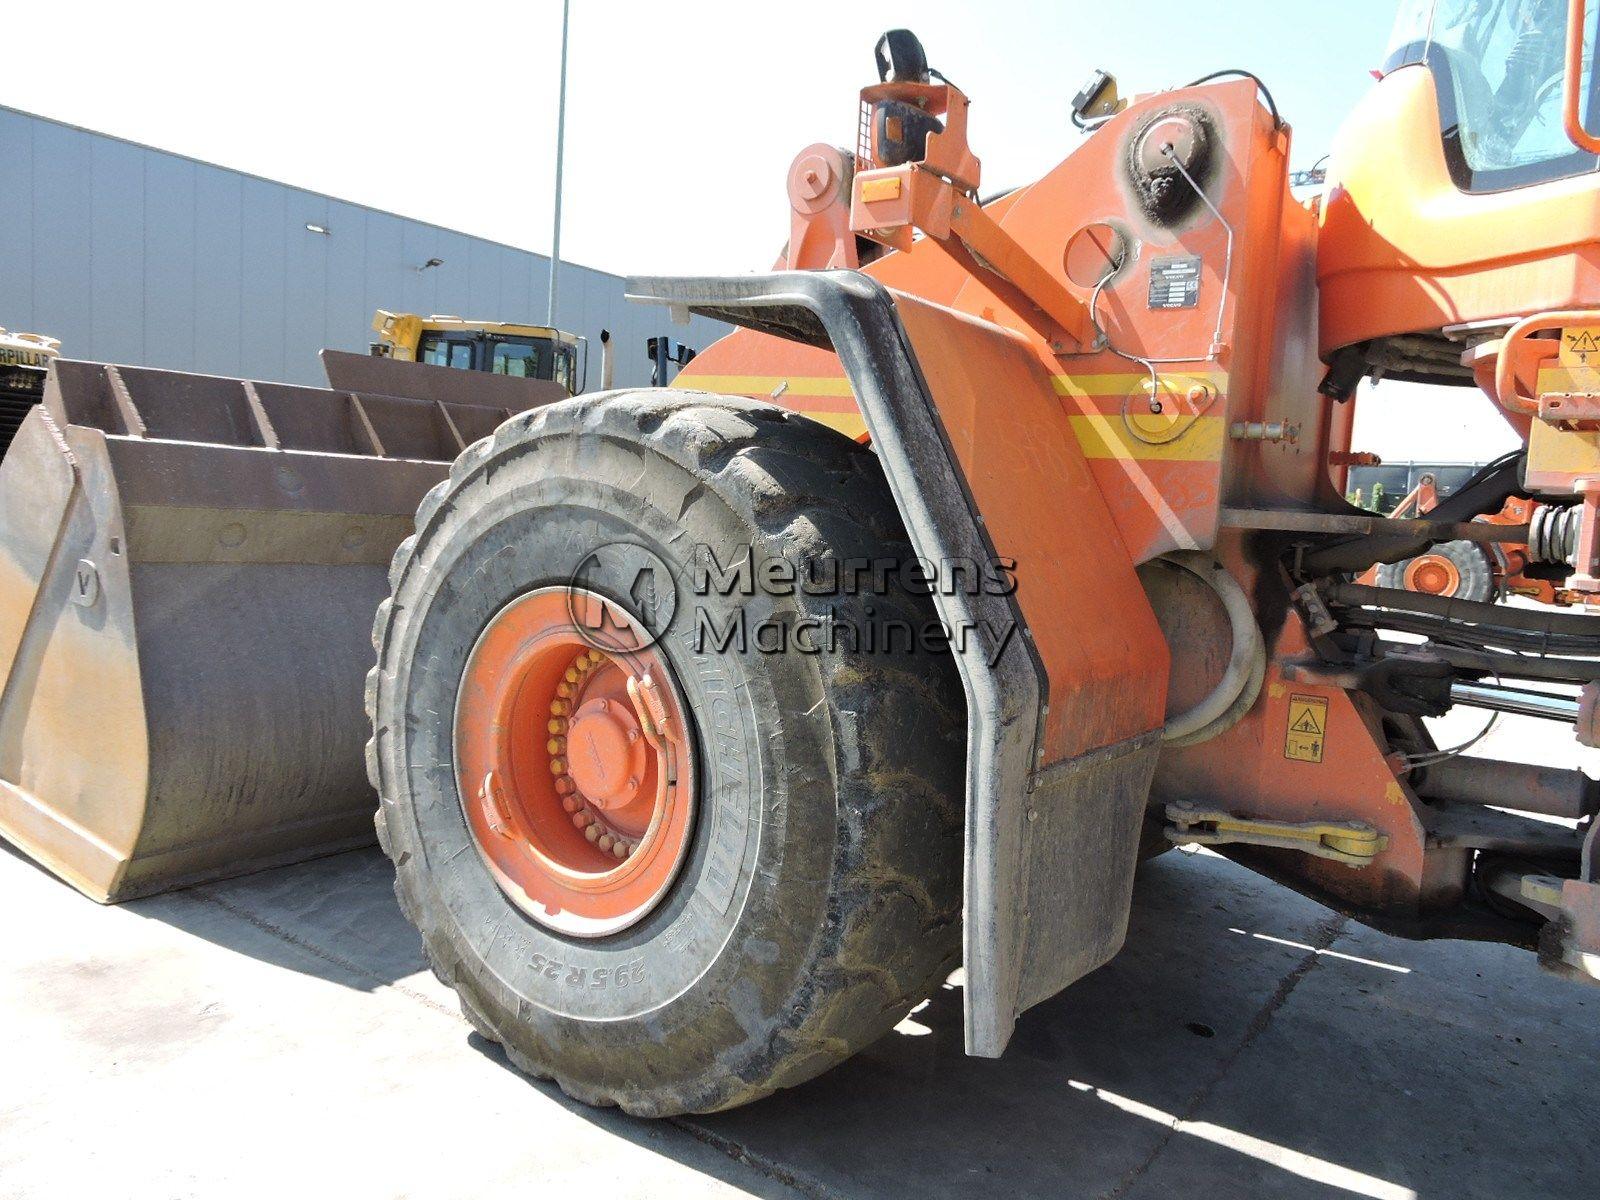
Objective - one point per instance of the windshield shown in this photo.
(1497, 65)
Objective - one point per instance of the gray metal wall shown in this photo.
(134, 255)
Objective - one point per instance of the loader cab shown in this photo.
(499, 348)
(519, 357)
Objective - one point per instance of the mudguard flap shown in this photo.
(1065, 677)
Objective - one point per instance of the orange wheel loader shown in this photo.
(1004, 543)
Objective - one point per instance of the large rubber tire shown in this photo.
(820, 899)
(1471, 561)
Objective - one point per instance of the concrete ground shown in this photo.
(279, 1035)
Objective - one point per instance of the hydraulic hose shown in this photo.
(1471, 612)
(1241, 682)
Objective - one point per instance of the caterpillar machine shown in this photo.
(499, 347)
(1004, 543)
(24, 358)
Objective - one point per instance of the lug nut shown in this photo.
(564, 786)
(559, 708)
(556, 725)
(571, 803)
(621, 849)
(557, 767)
(606, 841)
(556, 745)
(581, 818)
(592, 833)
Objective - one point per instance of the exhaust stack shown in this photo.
(607, 360)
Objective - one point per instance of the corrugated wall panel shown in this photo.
(63, 260)
(219, 328)
(264, 318)
(171, 272)
(117, 254)
(347, 317)
(129, 254)
(16, 223)
(306, 253)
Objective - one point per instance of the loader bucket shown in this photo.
(189, 567)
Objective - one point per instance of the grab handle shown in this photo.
(1577, 19)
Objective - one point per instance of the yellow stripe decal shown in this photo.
(765, 385)
(1121, 383)
(849, 424)
(1116, 383)
(1107, 437)
(1101, 436)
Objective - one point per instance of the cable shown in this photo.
(1266, 93)
(1410, 762)
(1149, 364)
(1490, 467)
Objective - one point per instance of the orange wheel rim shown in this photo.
(1434, 574)
(573, 761)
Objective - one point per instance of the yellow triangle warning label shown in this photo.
(1580, 345)
(1304, 737)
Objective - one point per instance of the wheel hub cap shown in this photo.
(573, 762)
(606, 752)
(1433, 574)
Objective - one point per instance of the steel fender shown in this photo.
(1063, 713)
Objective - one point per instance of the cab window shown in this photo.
(522, 359)
(1498, 70)
(441, 351)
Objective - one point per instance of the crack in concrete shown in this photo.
(1327, 930)
(378, 981)
(806, 1185)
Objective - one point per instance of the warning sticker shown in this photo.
(1305, 738)
(1580, 346)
